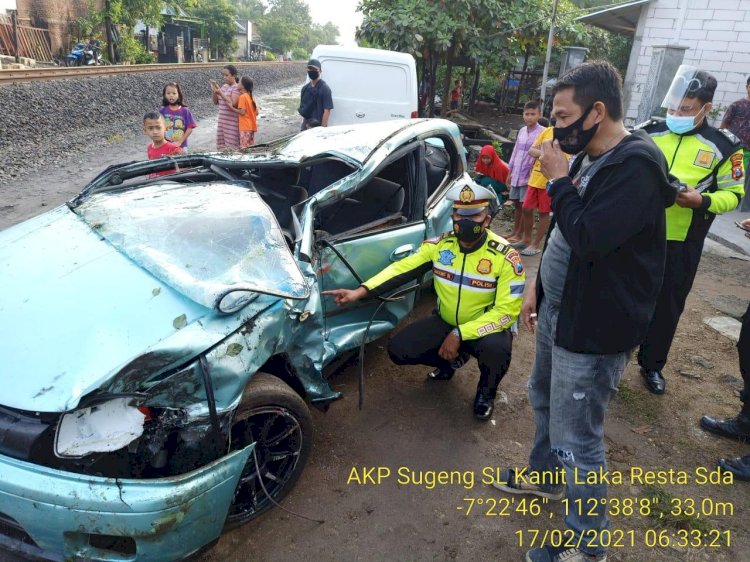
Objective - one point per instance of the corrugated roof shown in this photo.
(621, 19)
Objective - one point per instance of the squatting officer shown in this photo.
(479, 281)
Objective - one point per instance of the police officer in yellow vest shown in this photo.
(479, 281)
(708, 163)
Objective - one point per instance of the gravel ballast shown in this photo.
(44, 121)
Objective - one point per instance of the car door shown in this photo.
(370, 247)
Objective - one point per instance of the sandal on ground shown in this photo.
(530, 251)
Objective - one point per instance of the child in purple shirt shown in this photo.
(177, 117)
(520, 164)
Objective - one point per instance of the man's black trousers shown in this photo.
(682, 264)
(419, 343)
(743, 349)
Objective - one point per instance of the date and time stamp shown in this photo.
(659, 511)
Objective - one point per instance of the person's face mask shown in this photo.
(468, 230)
(574, 137)
(313, 74)
(681, 124)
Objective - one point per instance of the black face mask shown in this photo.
(574, 137)
(313, 74)
(467, 230)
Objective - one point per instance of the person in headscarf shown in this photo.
(492, 172)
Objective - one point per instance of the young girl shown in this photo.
(248, 112)
(177, 117)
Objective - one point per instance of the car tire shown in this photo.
(269, 410)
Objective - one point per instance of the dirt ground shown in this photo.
(427, 426)
(417, 427)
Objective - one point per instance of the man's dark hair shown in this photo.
(748, 81)
(705, 87)
(533, 104)
(594, 81)
(152, 115)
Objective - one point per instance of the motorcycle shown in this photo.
(83, 54)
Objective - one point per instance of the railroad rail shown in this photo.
(31, 74)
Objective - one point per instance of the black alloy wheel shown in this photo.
(273, 416)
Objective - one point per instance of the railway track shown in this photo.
(31, 74)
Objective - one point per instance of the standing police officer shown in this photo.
(479, 281)
(708, 163)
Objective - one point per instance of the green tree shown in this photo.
(252, 10)
(285, 23)
(125, 14)
(219, 16)
(318, 35)
(438, 31)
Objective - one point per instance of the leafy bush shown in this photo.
(299, 53)
(133, 51)
(270, 56)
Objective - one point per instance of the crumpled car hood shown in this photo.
(74, 309)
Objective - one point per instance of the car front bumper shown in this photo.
(56, 515)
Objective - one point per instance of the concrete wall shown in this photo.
(713, 35)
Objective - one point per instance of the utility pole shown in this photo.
(14, 19)
(549, 53)
(108, 32)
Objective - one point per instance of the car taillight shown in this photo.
(414, 114)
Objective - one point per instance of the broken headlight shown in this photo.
(102, 428)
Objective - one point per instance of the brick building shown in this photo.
(713, 35)
(58, 17)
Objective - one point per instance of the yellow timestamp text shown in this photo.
(621, 538)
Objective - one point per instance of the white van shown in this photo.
(368, 84)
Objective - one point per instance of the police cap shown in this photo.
(470, 198)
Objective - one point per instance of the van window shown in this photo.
(385, 83)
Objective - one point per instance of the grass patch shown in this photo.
(668, 511)
(634, 403)
(114, 137)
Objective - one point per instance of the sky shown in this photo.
(343, 14)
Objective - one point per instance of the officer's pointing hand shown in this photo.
(346, 296)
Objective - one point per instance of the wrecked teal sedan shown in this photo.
(165, 332)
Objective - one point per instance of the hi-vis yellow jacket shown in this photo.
(479, 292)
(709, 160)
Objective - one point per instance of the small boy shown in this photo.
(155, 128)
(520, 167)
(456, 94)
(536, 198)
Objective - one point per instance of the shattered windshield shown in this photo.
(204, 240)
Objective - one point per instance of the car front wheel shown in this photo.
(276, 418)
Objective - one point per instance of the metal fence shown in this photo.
(33, 42)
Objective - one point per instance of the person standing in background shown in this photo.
(316, 99)
(708, 164)
(737, 120)
(520, 165)
(226, 97)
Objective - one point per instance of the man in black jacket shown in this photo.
(598, 281)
